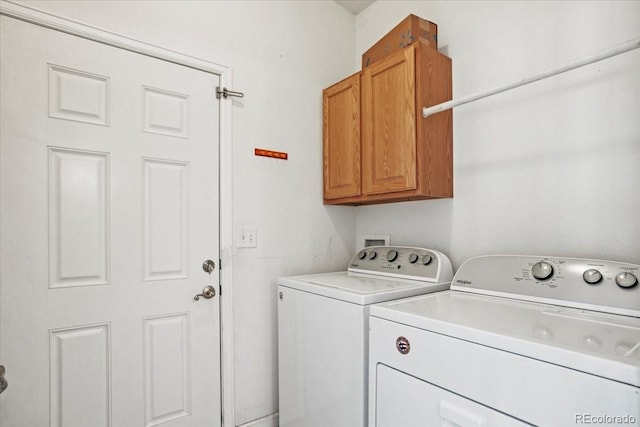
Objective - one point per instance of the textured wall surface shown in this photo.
(550, 168)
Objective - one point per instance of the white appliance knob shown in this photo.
(623, 348)
(626, 280)
(542, 332)
(592, 341)
(373, 255)
(413, 258)
(426, 260)
(392, 255)
(542, 270)
(362, 254)
(592, 276)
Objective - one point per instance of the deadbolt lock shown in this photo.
(208, 266)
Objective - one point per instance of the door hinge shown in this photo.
(225, 93)
(3, 382)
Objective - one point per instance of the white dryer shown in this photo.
(323, 330)
(518, 340)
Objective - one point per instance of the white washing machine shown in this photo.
(323, 330)
(518, 340)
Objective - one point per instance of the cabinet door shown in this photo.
(341, 139)
(389, 127)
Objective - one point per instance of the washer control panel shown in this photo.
(403, 262)
(608, 286)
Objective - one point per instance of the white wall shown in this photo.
(282, 53)
(552, 168)
(549, 169)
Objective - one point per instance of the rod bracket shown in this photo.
(225, 93)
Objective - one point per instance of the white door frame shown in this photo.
(76, 28)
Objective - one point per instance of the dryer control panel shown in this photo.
(607, 286)
(403, 262)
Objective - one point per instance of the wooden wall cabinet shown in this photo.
(377, 146)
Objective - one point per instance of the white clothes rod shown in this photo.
(613, 51)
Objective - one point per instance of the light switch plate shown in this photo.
(247, 237)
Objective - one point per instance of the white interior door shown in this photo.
(109, 201)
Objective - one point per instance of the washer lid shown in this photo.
(360, 288)
(606, 345)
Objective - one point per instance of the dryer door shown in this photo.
(403, 400)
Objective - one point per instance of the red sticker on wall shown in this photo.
(271, 153)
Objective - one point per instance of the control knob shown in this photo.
(592, 276)
(362, 254)
(413, 258)
(392, 255)
(626, 280)
(426, 260)
(542, 270)
(373, 255)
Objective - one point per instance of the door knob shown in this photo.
(208, 266)
(3, 383)
(208, 292)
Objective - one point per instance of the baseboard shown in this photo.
(268, 421)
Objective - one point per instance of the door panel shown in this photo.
(109, 199)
